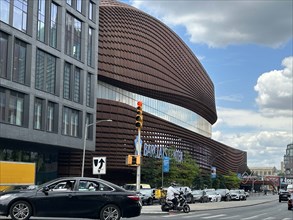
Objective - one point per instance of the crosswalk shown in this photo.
(262, 216)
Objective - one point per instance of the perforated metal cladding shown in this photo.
(140, 54)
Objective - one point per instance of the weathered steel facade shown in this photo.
(140, 54)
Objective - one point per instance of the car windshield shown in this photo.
(146, 191)
(211, 193)
(197, 192)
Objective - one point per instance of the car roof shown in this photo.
(85, 179)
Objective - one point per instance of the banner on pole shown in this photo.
(166, 164)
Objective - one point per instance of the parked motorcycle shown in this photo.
(168, 205)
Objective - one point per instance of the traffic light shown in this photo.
(133, 160)
(139, 117)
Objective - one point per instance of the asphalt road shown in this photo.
(255, 208)
(266, 211)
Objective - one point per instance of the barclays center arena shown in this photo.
(133, 57)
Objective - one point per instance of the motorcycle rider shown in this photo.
(171, 194)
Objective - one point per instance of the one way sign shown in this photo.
(99, 165)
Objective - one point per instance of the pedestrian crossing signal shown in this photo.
(133, 160)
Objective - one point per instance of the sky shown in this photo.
(246, 48)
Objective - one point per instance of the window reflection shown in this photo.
(3, 54)
(4, 10)
(20, 14)
(167, 111)
(73, 37)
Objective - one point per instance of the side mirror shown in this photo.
(45, 190)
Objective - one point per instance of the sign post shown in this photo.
(138, 124)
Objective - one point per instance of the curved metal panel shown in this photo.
(139, 53)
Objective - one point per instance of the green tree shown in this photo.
(151, 171)
(184, 173)
(232, 180)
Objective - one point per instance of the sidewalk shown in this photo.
(252, 200)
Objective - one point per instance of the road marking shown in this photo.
(231, 217)
(183, 215)
(214, 216)
(198, 215)
(255, 216)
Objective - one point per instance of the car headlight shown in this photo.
(4, 197)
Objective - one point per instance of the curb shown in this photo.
(159, 212)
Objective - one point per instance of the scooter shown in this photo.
(168, 205)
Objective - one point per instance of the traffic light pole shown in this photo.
(138, 171)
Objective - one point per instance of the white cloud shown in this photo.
(275, 89)
(264, 148)
(264, 134)
(251, 119)
(222, 23)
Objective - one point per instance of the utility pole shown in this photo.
(138, 124)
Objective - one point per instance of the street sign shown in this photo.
(99, 165)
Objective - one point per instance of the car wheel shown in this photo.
(20, 210)
(110, 212)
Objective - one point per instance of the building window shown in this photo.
(89, 86)
(38, 114)
(4, 10)
(47, 33)
(90, 47)
(41, 20)
(19, 62)
(52, 117)
(20, 14)
(73, 37)
(3, 54)
(91, 10)
(71, 78)
(16, 108)
(45, 72)
(3, 104)
(70, 122)
(89, 120)
(12, 107)
(78, 5)
(76, 88)
(53, 26)
(66, 81)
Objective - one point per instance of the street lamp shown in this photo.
(84, 141)
(213, 175)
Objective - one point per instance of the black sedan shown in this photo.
(71, 197)
(283, 195)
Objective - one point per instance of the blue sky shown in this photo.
(246, 48)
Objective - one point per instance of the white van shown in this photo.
(290, 188)
(132, 187)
